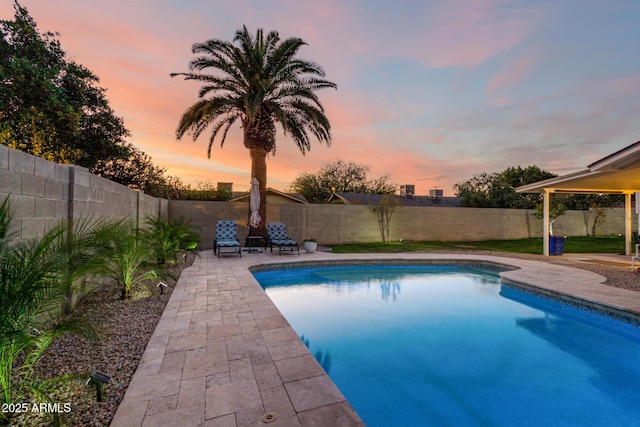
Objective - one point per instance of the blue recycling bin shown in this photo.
(556, 245)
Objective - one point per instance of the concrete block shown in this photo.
(93, 194)
(81, 208)
(10, 181)
(45, 168)
(164, 208)
(62, 173)
(22, 162)
(81, 176)
(22, 206)
(56, 190)
(32, 186)
(115, 199)
(45, 208)
(94, 181)
(61, 209)
(80, 193)
(4, 157)
(50, 223)
(100, 182)
(32, 228)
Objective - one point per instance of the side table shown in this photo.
(254, 246)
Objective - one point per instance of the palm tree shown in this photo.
(127, 255)
(258, 82)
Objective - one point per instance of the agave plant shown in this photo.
(128, 260)
(169, 237)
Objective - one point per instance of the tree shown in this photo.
(476, 191)
(258, 82)
(497, 190)
(340, 176)
(135, 171)
(50, 106)
(594, 208)
(384, 212)
(557, 208)
(513, 177)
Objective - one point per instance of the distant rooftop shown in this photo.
(374, 199)
(293, 197)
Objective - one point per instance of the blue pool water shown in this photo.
(451, 346)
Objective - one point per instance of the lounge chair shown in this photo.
(277, 233)
(226, 238)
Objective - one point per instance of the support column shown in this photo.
(627, 224)
(545, 222)
(70, 212)
(138, 207)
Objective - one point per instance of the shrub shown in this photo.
(126, 256)
(31, 292)
(167, 238)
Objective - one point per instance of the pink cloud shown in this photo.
(513, 73)
(469, 33)
(442, 33)
(438, 141)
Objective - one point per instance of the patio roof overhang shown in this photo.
(617, 173)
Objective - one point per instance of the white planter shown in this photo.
(310, 246)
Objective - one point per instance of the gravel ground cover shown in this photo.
(617, 276)
(127, 326)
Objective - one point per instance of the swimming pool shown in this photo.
(450, 345)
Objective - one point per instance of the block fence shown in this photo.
(42, 194)
(336, 224)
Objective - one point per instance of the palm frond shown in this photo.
(5, 224)
(256, 78)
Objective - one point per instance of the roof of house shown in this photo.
(616, 173)
(374, 199)
(295, 197)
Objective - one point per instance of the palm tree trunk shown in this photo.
(259, 171)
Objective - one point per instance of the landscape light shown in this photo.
(99, 380)
(162, 285)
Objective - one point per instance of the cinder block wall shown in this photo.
(43, 193)
(335, 224)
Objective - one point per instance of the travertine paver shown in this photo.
(223, 355)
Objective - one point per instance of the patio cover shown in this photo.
(617, 173)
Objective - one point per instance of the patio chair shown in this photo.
(277, 233)
(226, 238)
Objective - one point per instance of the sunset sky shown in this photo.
(430, 92)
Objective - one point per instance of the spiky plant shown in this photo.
(29, 310)
(128, 260)
(167, 238)
(82, 248)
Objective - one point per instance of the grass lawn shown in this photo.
(604, 244)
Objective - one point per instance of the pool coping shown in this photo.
(223, 355)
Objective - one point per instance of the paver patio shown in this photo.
(223, 355)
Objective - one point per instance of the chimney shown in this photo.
(408, 191)
(225, 186)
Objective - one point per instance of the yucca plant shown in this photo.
(167, 238)
(128, 260)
